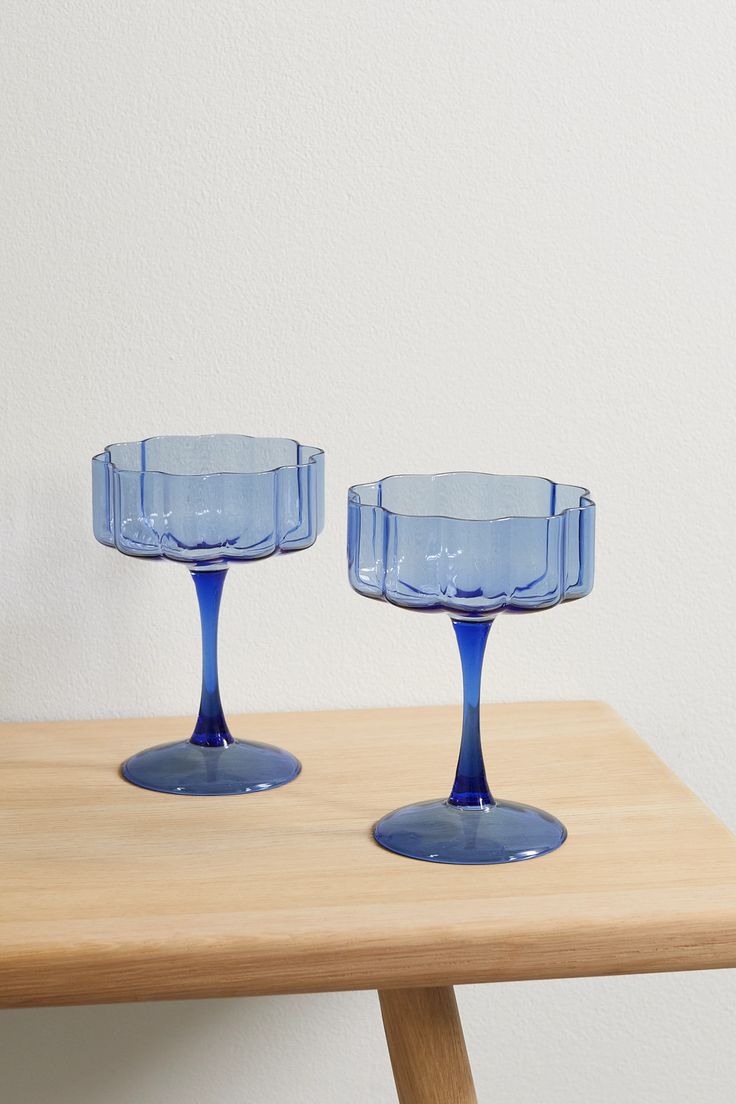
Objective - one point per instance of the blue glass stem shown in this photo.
(211, 728)
(471, 788)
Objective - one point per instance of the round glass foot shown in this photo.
(437, 831)
(187, 768)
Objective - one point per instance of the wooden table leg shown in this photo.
(427, 1048)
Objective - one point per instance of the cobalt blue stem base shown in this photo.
(211, 762)
(187, 768)
(438, 831)
(471, 827)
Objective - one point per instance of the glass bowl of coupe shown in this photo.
(473, 546)
(209, 502)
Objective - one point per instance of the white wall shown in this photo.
(425, 236)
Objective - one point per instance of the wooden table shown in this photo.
(113, 893)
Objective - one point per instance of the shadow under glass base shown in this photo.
(437, 831)
(187, 768)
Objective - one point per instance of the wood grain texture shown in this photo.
(427, 1047)
(113, 893)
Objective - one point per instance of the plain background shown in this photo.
(425, 236)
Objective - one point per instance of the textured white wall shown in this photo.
(424, 236)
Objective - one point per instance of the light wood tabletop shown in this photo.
(113, 893)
